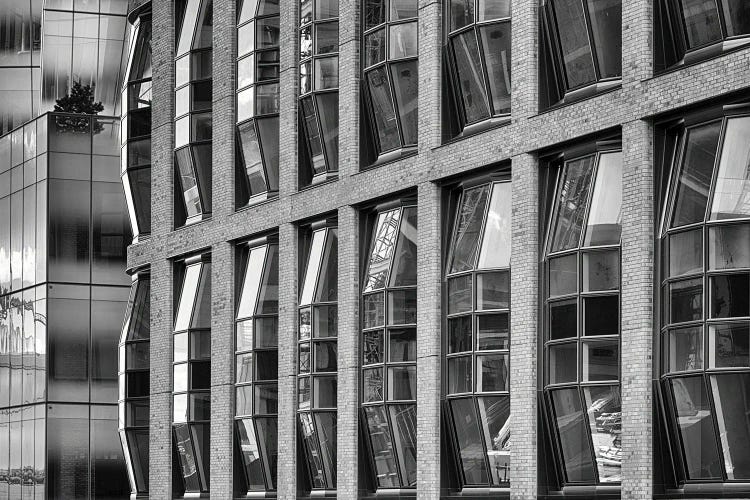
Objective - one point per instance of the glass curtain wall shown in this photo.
(389, 348)
(477, 347)
(192, 375)
(477, 56)
(390, 75)
(705, 320)
(319, 95)
(136, 128)
(583, 44)
(257, 131)
(318, 355)
(134, 365)
(193, 118)
(582, 318)
(20, 44)
(257, 360)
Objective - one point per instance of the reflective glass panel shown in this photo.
(570, 423)
(494, 413)
(383, 110)
(605, 422)
(459, 375)
(495, 248)
(601, 361)
(563, 275)
(731, 197)
(405, 87)
(601, 271)
(469, 75)
(573, 189)
(493, 291)
(729, 345)
(382, 247)
(604, 223)
(563, 363)
(702, 23)
(729, 247)
(574, 42)
(382, 447)
(686, 253)
(496, 44)
(736, 17)
(684, 349)
(732, 401)
(469, 439)
(469, 221)
(404, 425)
(606, 26)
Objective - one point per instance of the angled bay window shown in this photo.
(390, 78)
(256, 375)
(389, 348)
(692, 30)
(582, 317)
(193, 118)
(192, 374)
(318, 355)
(319, 95)
(477, 61)
(477, 344)
(134, 365)
(705, 305)
(581, 48)
(136, 128)
(257, 133)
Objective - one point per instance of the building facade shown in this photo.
(451, 249)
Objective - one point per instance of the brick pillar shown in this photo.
(637, 42)
(222, 361)
(160, 413)
(349, 85)
(525, 60)
(524, 289)
(287, 468)
(288, 91)
(428, 341)
(638, 309)
(347, 451)
(430, 36)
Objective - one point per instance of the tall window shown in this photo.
(192, 375)
(477, 346)
(477, 55)
(193, 118)
(319, 95)
(318, 355)
(691, 30)
(389, 348)
(257, 100)
(136, 128)
(257, 359)
(134, 382)
(582, 319)
(390, 75)
(582, 48)
(705, 320)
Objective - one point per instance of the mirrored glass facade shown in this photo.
(257, 362)
(318, 89)
(582, 318)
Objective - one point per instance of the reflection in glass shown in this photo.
(605, 423)
(570, 423)
(693, 414)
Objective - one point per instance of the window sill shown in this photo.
(713, 490)
(585, 492)
(476, 493)
(391, 157)
(477, 129)
(704, 54)
(575, 96)
(194, 220)
(319, 180)
(259, 199)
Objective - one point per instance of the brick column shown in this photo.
(349, 85)
(638, 309)
(288, 90)
(524, 60)
(160, 413)
(287, 465)
(347, 452)
(428, 341)
(430, 36)
(637, 42)
(222, 362)
(524, 309)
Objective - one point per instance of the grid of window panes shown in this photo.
(256, 361)
(477, 353)
(478, 53)
(705, 334)
(193, 118)
(389, 348)
(318, 357)
(257, 99)
(134, 366)
(319, 82)
(192, 375)
(136, 128)
(584, 40)
(700, 23)
(390, 72)
(582, 319)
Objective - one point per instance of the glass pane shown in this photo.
(459, 294)
(324, 392)
(493, 331)
(186, 456)
(604, 223)
(470, 78)
(693, 184)
(374, 13)
(250, 157)
(601, 271)
(732, 400)
(325, 356)
(303, 391)
(266, 399)
(250, 453)
(570, 424)
(402, 345)
(494, 413)
(459, 334)
(469, 221)
(563, 319)
(372, 385)
(327, 74)
(312, 268)
(304, 358)
(402, 307)
(326, 427)
(605, 421)
(251, 283)
(268, 443)
(374, 310)
(493, 291)
(244, 400)
(461, 13)
(267, 31)
(606, 26)
(732, 193)
(373, 347)
(375, 47)
(382, 447)
(729, 345)
(325, 9)
(382, 109)
(495, 250)
(729, 247)
(266, 332)
(402, 383)
(684, 349)
(69, 227)
(459, 375)
(266, 365)
(405, 80)
(244, 338)
(326, 38)
(404, 420)
(326, 322)
(305, 328)
(493, 373)
(312, 450)
(730, 296)
(736, 17)
(701, 22)
(686, 300)
(187, 297)
(574, 42)
(601, 361)
(381, 249)
(268, 299)
(693, 413)
(686, 253)
(402, 40)
(492, 9)
(572, 198)
(403, 9)
(327, 290)
(244, 372)
(601, 315)
(563, 363)
(496, 45)
(328, 109)
(563, 275)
